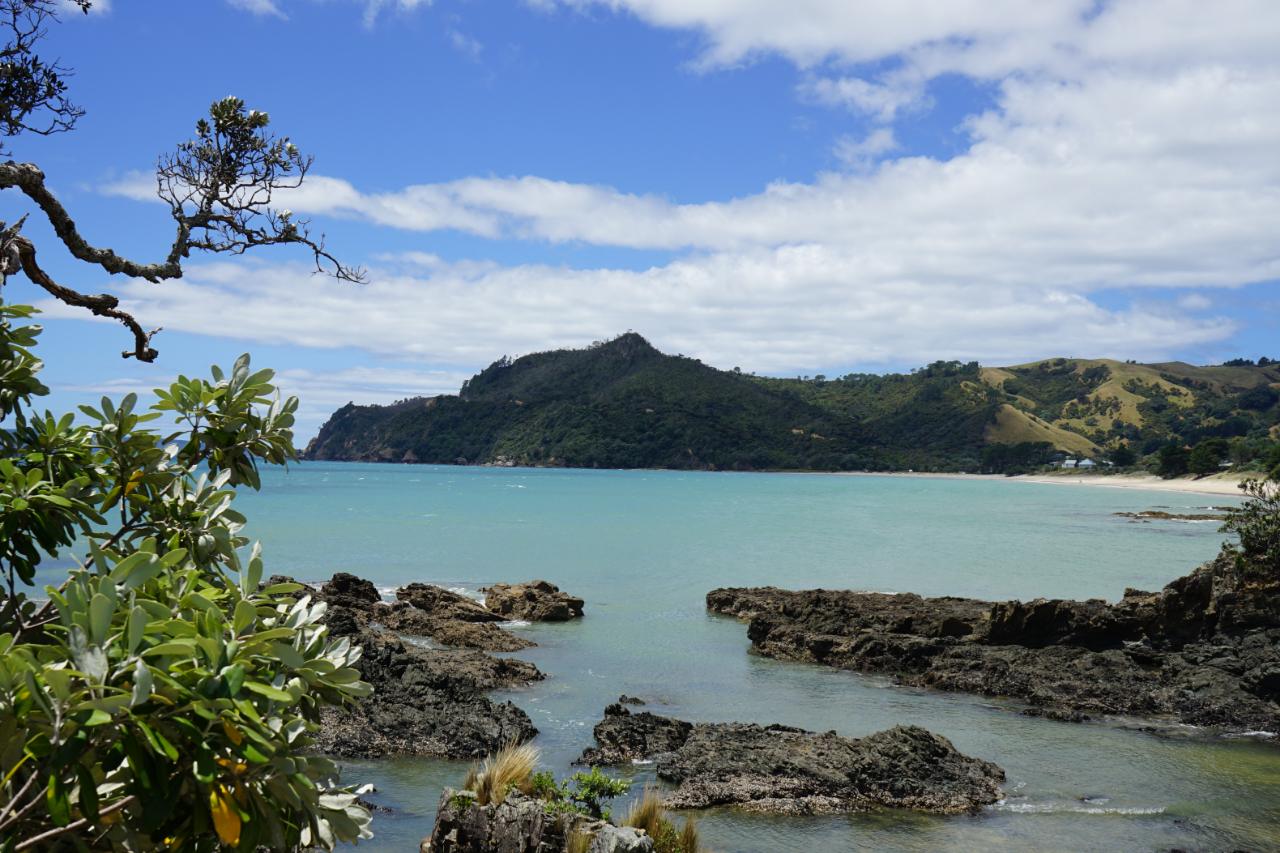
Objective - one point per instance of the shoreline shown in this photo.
(1217, 485)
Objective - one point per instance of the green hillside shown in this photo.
(624, 404)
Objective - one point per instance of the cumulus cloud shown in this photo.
(785, 310)
(1127, 144)
(259, 7)
(319, 393)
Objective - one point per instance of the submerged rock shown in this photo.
(1204, 651)
(788, 770)
(521, 824)
(535, 601)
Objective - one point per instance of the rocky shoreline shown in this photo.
(1204, 651)
(428, 699)
(785, 770)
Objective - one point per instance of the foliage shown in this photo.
(648, 814)
(159, 698)
(512, 769)
(1256, 524)
(1207, 456)
(1016, 458)
(1172, 460)
(33, 91)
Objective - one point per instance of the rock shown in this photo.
(404, 618)
(788, 770)
(608, 838)
(536, 601)
(426, 702)
(623, 737)
(445, 604)
(346, 590)
(521, 824)
(624, 699)
(1205, 650)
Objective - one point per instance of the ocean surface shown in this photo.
(644, 547)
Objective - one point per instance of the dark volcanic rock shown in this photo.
(783, 769)
(536, 601)
(404, 618)
(425, 701)
(445, 604)
(521, 824)
(622, 737)
(344, 590)
(1205, 650)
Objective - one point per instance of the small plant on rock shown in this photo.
(648, 814)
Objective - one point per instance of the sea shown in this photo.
(644, 547)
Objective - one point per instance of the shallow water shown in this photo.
(643, 548)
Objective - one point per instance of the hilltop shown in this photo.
(624, 404)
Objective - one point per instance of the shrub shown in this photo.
(1256, 523)
(159, 698)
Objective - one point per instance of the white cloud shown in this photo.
(319, 393)
(1128, 144)
(786, 310)
(861, 153)
(259, 7)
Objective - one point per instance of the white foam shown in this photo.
(642, 761)
(1058, 808)
(517, 623)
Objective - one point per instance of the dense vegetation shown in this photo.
(623, 404)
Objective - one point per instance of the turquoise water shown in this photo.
(643, 548)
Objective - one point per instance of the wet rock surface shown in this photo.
(520, 824)
(1204, 651)
(786, 770)
(535, 601)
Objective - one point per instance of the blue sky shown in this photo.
(790, 188)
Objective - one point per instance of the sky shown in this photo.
(800, 188)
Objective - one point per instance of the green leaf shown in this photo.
(56, 799)
(245, 615)
(268, 691)
(142, 684)
(137, 627)
(88, 794)
(233, 677)
(99, 618)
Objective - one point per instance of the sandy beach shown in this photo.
(1217, 484)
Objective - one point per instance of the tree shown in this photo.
(1256, 523)
(1122, 457)
(1172, 460)
(1206, 456)
(163, 696)
(219, 185)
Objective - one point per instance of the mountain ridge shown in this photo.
(622, 403)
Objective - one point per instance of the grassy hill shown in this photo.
(624, 404)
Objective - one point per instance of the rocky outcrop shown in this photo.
(788, 770)
(521, 824)
(1205, 650)
(623, 736)
(424, 701)
(442, 603)
(535, 601)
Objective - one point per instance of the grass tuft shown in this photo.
(510, 768)
(648, 814)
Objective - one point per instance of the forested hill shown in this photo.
(624, 404)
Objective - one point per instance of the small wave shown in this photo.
(642, 761)
(1255, 733)
(517, 623)
(1057, 808)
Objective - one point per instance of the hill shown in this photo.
(624, 404)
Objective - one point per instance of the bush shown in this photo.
(158, 699)
(1256, 523)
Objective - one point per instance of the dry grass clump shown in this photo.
(648, 814)
(579, 841)
(509, 768)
